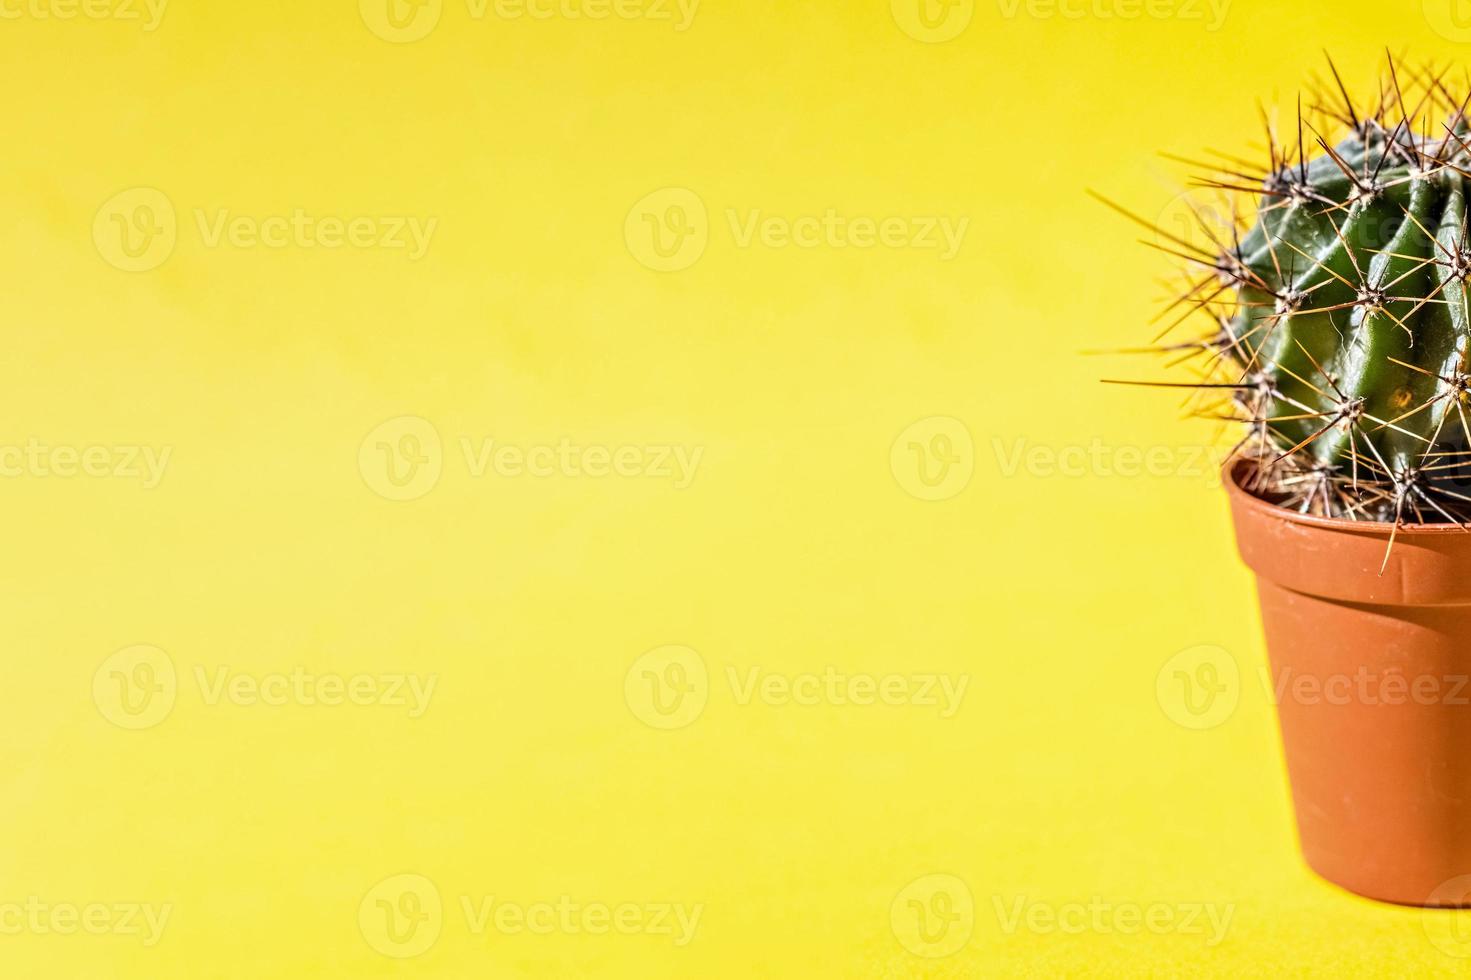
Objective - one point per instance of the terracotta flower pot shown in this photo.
(1372, 676)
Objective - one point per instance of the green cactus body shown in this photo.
(1354, 283)
(1341, 317)
(1341, 311)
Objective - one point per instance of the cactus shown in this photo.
(1340, 323)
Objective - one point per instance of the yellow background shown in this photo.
(1064, 777)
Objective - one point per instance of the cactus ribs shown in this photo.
(1340, 326)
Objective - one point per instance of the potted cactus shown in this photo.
(1339, 336)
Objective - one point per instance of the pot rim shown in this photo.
(1230, 478)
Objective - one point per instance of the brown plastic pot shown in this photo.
(1372, 677)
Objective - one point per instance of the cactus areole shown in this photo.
(1341, 324)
